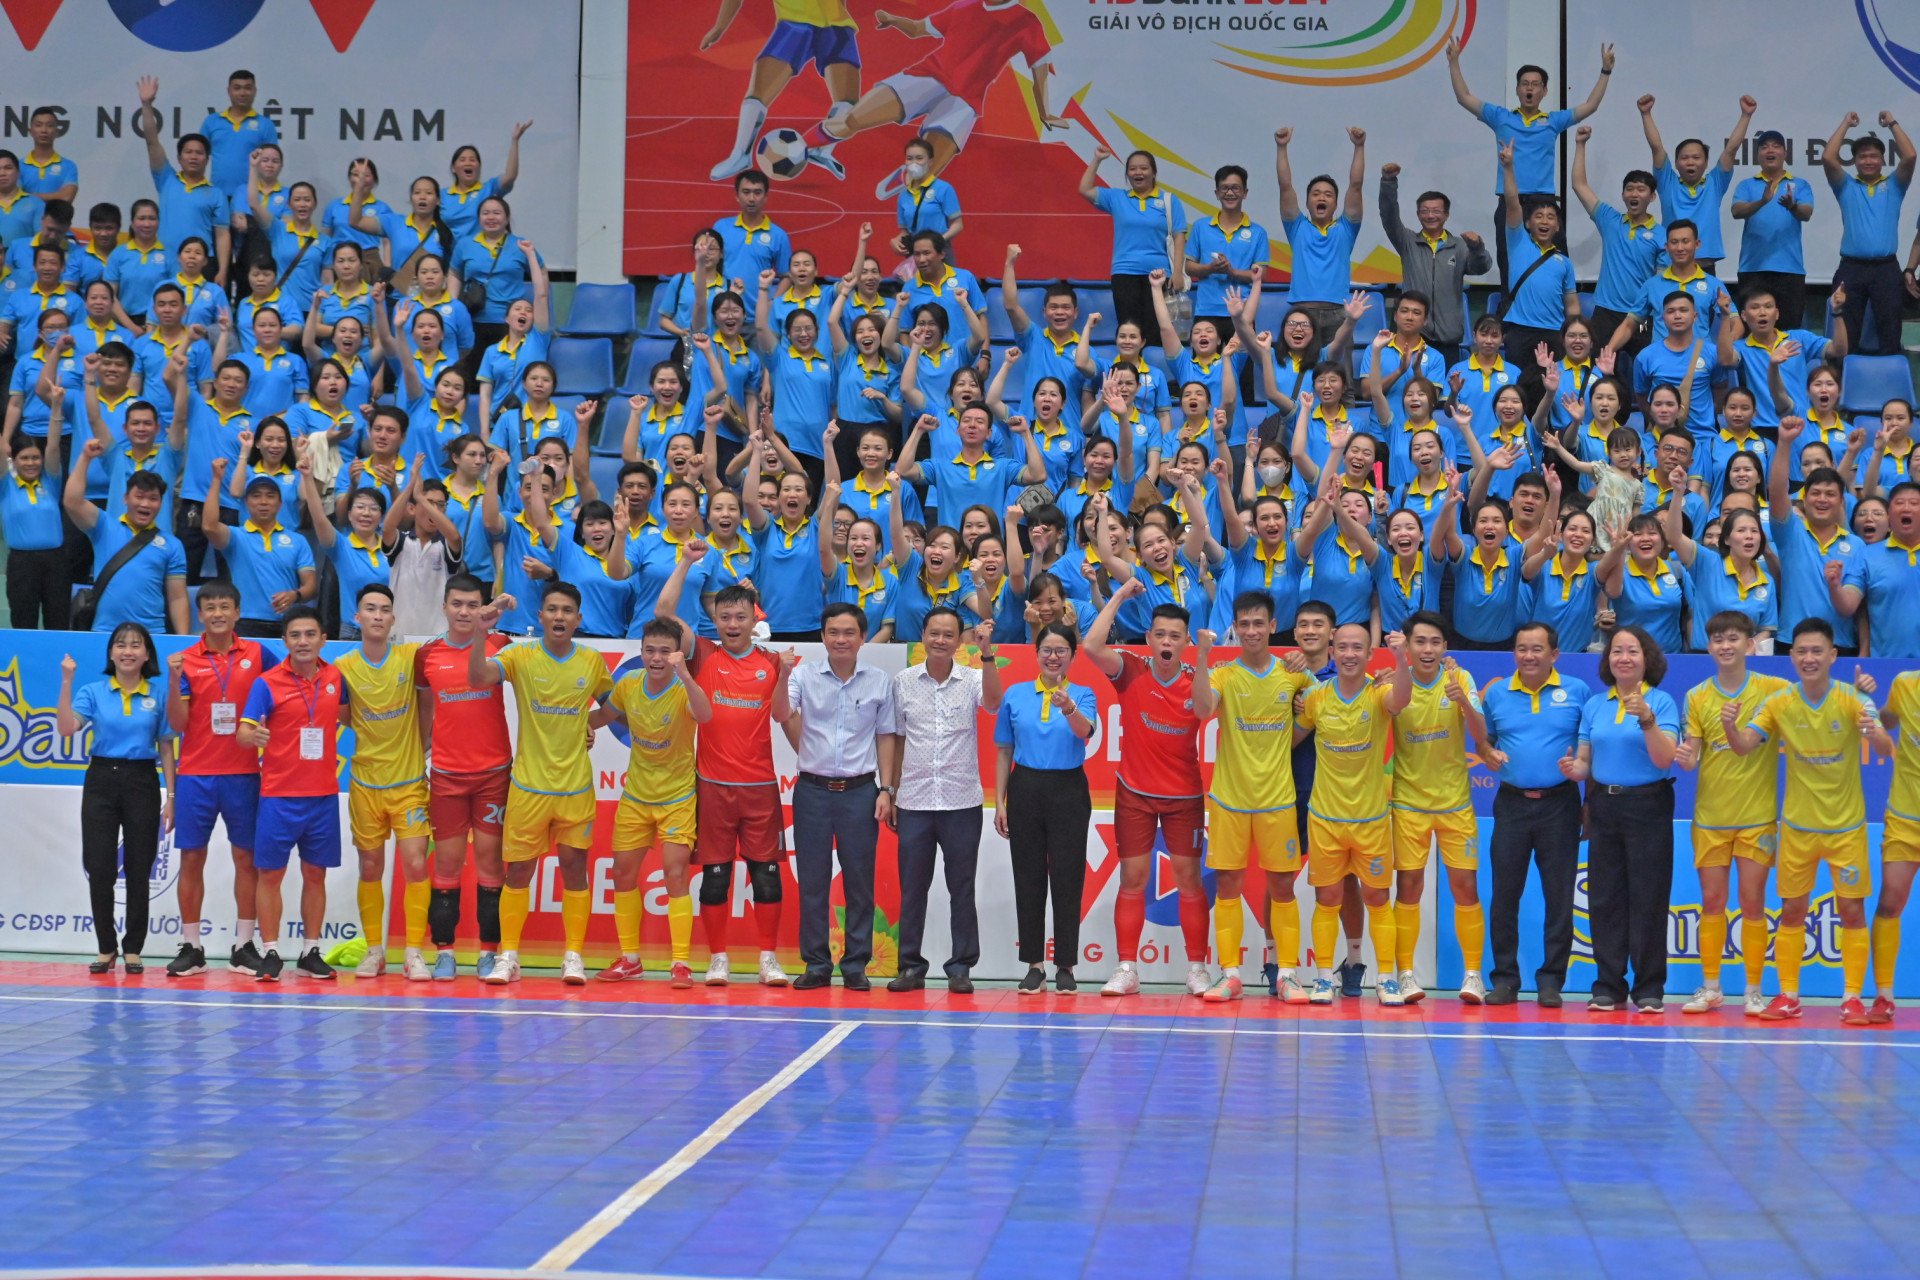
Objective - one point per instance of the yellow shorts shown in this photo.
(1415, 831)
(1900, 839)
(537, 821)
(1844, 852)
(1336, 850)
(1272, 835)
(374, 813)
(1719, 846)
(641, 826)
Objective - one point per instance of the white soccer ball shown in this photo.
(781, 155)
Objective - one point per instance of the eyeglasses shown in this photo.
(1230, 189)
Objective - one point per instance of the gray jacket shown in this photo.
(1439, 273)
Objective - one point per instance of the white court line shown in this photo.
(597, 1228)
(1142, 1026)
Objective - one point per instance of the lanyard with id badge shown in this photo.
(224, 715)
(312, 738)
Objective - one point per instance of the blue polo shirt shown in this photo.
(189, 209)
(1184, 588)
(1771, 240)
(19, 259)
(1535, 729)
(20, 217)
(45, 179)
(1213, 371)
(802, 396)
(856, 375)
(334, 303)
(749, 250)
(1061, 450)
(162, 460)
(1339, 576)
(292, 315)
(405, 235)
(652, 553)
(138, 593)
(1893, 596)
(240, 200)
(135, 272)
(1701, 204)
(718, 570)
(1541, 304)
(266, 561)
(1322, 258)
(1721, 446)
(1489, 595)
(460, 208)
(815, 302)
(876, 600)
(288, 481)
(1141, 225)
(23, 306)
(505, 363)
(656, 428)
(928, 205)
(1618, 744)
(30, 513)
(1755, 360)
(914, 597)
(85, 264)
(1402, 594)
(1427, 362)
(1869, 216)
(1564, 601)
(150, 356)
(1535, 139)
(310, 415)
(1716, 589)
(1478, 387)
(744, 373)
(1244, 246)
(300, 271)
(36, 415)
(277, 379)
(1659, 365)
(212, 434)
(520, 543)
(455, 319)
(234, 140)
(128, 724)
(1280, 576)
(1701, 287)
(1039, 732)
(1803, 587)
(502, 268)
(919, 293)
(334, 220)
(874, 504)
(358, 563)
(1423, 498)
(991, 482)
(1654, 602)
(680, 295)
(1042, 355)
(429, 432)
(791, 584)
(606, 605)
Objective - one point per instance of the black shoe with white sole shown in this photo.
(190, 961)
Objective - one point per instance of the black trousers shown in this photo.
(1788, 289)
(1877, 281)
(1049, 810)
(260, 628)
(1500, 235)
(1132, 300)
(1327, 319)
(193, 541)
(39, 589)
(1542, 828)
(824, 821)
(1605, 323)
(1629, 882)
(816, 469)
(119, 806)
(1519, 341)
(952, 835)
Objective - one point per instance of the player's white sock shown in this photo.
(190, 932)
(1286, 973)
(270, 948)
(1229, 970)
(1353, 951)
(840, 111)
(753, 114)
(243, 932)
(1326, 974)
(1712, 984)
(312, 947)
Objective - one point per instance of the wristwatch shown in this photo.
(884, 789)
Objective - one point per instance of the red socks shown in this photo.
(1193, 925)
(1129, 918)
(713, 920)
(767, 916)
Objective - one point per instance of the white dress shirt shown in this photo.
(840, 721)
(939, 727)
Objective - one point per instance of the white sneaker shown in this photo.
(1124, 982)
(1473, 988)
(1198, 978)
(506, 968)
(373, 964)
(573, 970)
(1291, 992)
(1756, 1004)
(739, 162)
(1410, 991)
(771, 974)
(1322, 991)
(1387, 989)
(417, 969)
(1706, 1000)
(718, 971)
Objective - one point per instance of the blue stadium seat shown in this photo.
(1586, 303)
(606, 475)
(647, 352)
(582, 366)
(661, 296)
(1372, 321)
(1100, 300)
(1859, 342)
(1868, 382)
(1271, 311)
(613, 426)
(601, 311)
(999, 328)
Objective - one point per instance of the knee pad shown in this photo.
(715, 882)
(765, 877)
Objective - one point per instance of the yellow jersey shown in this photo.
(1253, 760)
(553, 696)
(1350, 751)
(1430, 748)
(813, 13)
(1823, 756)
(1733, 790)
(1903, 704)
(384, 715)
(660, 728)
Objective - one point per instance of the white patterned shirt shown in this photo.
(939, 727)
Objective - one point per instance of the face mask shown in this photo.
(916, 170)
(1272, 476)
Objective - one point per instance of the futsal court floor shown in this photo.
(214, 1126)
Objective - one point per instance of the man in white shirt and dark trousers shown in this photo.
(938, 800)
(843, 729)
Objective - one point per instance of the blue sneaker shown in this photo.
(445, 967)
(1322, 992)
(1351, 974)
(484, 969)
(1271, 971)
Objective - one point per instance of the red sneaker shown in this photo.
(620, 970)
(1781, 1008)
(682, 975)
(1853, 1013)
(1882, 1011)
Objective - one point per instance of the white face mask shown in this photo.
(916, 170)
(1272, 476)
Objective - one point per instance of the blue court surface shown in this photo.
(358, 1130)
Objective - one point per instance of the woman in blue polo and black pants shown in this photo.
(121, 803)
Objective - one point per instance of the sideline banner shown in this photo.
(1864, 56)
(1197, 85)
(44, 907)
(403, 82)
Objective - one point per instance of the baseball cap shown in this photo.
(1765, 136)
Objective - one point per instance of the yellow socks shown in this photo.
(1406, 934)
(626, 920)
(679, 924)
(1326, 934)
(1380, 927)
(1713, 944)
(576, 908)
(1855, 946)
(1886, 950)
(414, 900)
(1285, 920)
(514, 905)
(1753, 951)
(373, 912)
(1470, 926)
(1229, 920)
(1787, 946)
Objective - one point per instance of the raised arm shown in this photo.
(1090, 177)
(1903, 149)
(1283, 174)
(1730, 154)
(1830, 155)
(1017, 315)
(1510, 188)
(149, 89)
(764, 336)
(1592, 104)
(908, 464)
(1303, 457)
(1581, 191)
(1655, 146)
(73, 495)
(1445, 542)
(1356, 204)
(1094, 643)
(1461, 93)
(510, 171)
(217, 533)
(1673, 518)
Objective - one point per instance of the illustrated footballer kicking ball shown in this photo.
(782, 154)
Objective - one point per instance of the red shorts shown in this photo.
(461, 802)
(736, 822)
(1181, 821)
